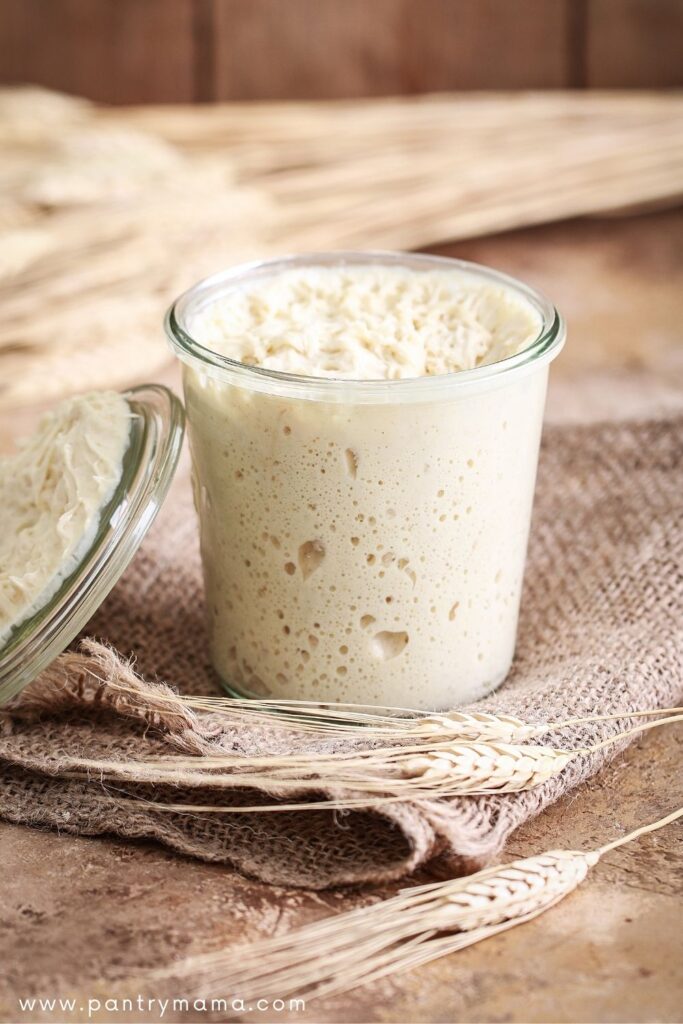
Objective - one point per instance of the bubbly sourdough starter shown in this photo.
(368, 323)
(52, 492)
(365, 552)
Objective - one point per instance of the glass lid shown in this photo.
(156, 434)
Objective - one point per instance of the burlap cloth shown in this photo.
(601, 631)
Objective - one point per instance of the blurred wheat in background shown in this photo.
(105, 213)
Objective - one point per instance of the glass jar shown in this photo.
(363, 541)
(155, 440)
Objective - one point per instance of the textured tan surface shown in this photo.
(90, 911)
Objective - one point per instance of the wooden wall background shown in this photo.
(148, 51)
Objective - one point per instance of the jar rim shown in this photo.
(542, 349)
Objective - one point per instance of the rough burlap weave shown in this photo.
(601, 631)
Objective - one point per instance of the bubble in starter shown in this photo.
(351, 462)
(311, 555)
(387, 645)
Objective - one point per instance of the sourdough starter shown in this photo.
(365, 551)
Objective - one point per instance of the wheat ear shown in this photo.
(384, 721)
(415, 926)
(357, 779)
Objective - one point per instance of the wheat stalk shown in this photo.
(415, 926)
(113, 682)
(460, 769)
(395, 765)
(343, 718)
(355, 779)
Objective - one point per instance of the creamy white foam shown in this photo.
(365, 552)
(368, 322)
(52, 491)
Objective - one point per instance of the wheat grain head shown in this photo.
(413, 927)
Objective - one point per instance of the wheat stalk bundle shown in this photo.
(344, 718)
(339, 719)
(415, 926)
(85, 195)
(397, 754)
(356, 778)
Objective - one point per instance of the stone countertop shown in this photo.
(78, 915)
